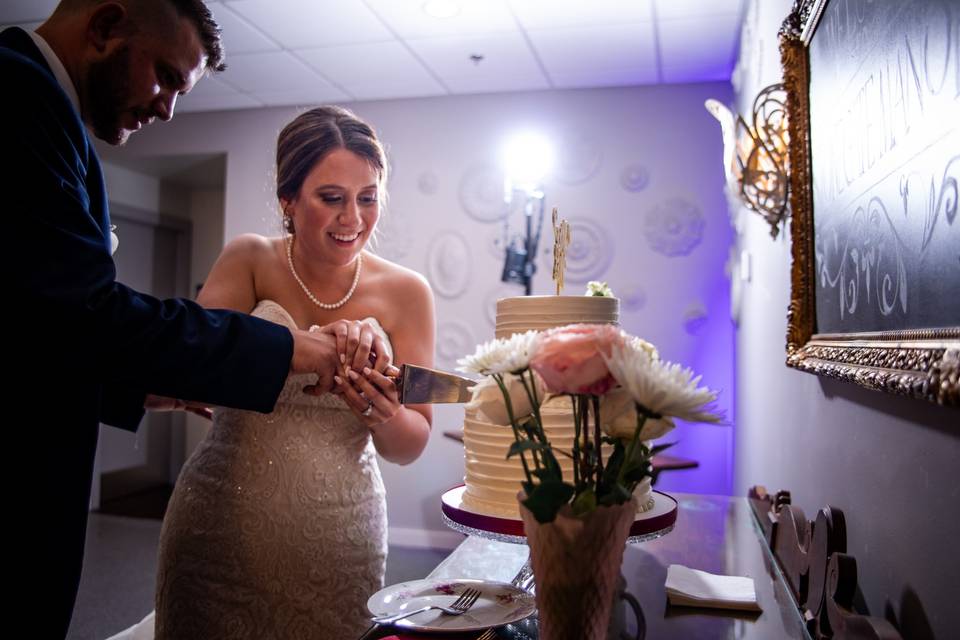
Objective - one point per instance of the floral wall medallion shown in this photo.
(578, 158)
(632, 297)
(634, 177)
(589, 254)
(394, 239)
(674, 227)
(427, 183)
(481, 193)
(454, 339)
(694, 318)
(449, 264)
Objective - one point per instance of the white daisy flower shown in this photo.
(503, 355)
(661, 387)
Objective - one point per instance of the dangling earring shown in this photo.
(288, 222)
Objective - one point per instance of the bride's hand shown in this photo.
(356, 341)
(371, 396)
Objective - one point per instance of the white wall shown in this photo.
(889, 463)
(437, 148)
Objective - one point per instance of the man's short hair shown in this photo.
(194, 10)
(199, 14)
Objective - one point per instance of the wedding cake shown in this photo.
(492, 481)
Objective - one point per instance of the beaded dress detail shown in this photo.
(277, 528)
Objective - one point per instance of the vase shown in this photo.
(576, 566)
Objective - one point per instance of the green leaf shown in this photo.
(523, 445)
(614, 462)
(584, 503)
(618, 494)
(546, 499)
(657, 448)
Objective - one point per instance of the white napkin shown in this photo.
(695, 588)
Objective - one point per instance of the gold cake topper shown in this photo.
(561, 240)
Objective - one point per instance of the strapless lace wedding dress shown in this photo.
(277, 527)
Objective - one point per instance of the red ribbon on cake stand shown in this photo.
(647, 526)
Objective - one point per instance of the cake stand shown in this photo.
(648, 525)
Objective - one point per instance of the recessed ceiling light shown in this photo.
(441, 8)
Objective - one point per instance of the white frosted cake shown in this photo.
(492, 481)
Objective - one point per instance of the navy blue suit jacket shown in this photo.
(81, 348)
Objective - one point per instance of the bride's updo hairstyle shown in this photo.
(315, 133)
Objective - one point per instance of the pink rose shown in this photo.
(570, 359)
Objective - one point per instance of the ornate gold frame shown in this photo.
(917, 363)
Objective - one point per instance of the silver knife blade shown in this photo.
(423, 385)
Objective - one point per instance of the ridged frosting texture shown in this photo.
(516, 315)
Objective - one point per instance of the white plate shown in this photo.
(499, 603)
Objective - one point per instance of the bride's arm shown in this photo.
(402, 437)
(230, 284)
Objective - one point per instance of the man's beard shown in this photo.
(108, 88)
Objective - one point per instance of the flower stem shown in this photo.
(597, 436)
(576, 442)
(584, 420)
(641, 420)
(513, 423)
(532, 395)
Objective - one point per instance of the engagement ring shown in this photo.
(366, 412)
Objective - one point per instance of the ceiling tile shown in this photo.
(374, 70)
(670, 9)
(698, 49)
(239, 36)
(275, 71)
(217, 103)
(615, 55)
(553, 14)
(16, 11)
(302, 24)
(211, 93)
(303, 96)
(407, 19)
(507, 65)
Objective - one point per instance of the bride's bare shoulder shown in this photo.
(402, 284)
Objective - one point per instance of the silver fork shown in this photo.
(460, 606)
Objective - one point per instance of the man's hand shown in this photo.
(315, 352)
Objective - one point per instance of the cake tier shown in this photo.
(492, 480)
(516, 315)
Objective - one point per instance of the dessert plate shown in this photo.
(499, 603)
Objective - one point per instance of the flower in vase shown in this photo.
(502, 355)
(661, 388)
(488, 399)
(618, 413)
(571, 359)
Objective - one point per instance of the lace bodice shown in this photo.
(277, 526)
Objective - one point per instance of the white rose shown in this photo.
(488, 399)
(618, 418)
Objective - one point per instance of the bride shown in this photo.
(277, 527)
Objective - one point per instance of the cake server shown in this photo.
(423, 385)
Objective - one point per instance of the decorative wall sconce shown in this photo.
(755, 157)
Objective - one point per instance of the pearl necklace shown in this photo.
(324, 305)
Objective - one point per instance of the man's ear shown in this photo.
(107, 21)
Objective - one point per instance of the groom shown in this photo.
(82, 348)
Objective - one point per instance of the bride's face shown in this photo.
(337, 208)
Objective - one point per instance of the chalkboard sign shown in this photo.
(873, 101)
(885, 150)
